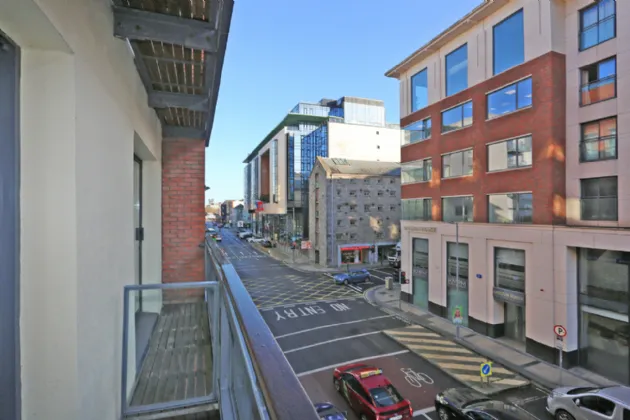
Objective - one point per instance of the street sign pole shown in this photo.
(560, 333)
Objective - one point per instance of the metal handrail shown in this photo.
(281, 392)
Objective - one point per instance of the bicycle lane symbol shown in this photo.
(416, 379)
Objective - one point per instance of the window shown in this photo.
(457, 164)
(419, 91)
(457, 209)
(508, 43)
(510, 154)
(353, 236)
(419, 171)
(457, 70)
(339, 222)
(417, 131)
(366, 207)
(392, 181)
(597, 24)
(379, 208)
(379, 235)
(510, 208)
(353, 208)
(274, 171)
(338, 192)
(353, 192)
(459, 117)
(339, 235)
(510, 98)
(416, 209)
(380, 193)
(598, 82)
(353, 222)
(366, 193)
(599, 140)
(509, 269)
(392, 208)
(385, 396)
(392, 193)
(457, 282)
(339, 207)
(599, 198)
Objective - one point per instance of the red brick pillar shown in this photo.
(183, 210)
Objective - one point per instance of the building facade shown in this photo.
(277, 170)
(516, 120)
(354, 212)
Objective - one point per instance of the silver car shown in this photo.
(588, 403)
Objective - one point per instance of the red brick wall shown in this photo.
(545, 120)
(183, 211)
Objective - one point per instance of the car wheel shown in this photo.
(443, 414)
(337, 385)
(563, 415)
(345, 282)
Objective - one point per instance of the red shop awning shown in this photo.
(354, 248)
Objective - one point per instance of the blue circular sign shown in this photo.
(485, 369)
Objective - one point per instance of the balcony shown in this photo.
(203, 348)
(598, 90)
(598, 148)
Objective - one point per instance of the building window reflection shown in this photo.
(457, 286)
(420, 273)
(603, 278)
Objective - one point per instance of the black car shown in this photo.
(464, 403)
(327, 411)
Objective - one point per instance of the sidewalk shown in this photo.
(302, 262)
(540, 372)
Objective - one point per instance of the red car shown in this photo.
(370, 394)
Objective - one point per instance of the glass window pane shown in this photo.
(525, 151)
(457, 162)
(589, 37)
(468, 114)
(524, 93)
(509, 268)
(509, 43)
(457, 70)
(500, 208)
(419, 91)
(607, 68)
(502, 101)
(590, 131)
(608, 127)
(452, 119)
(606, 9)
(606, 30)
(428, 169)
(497, 156)
(446, 166)
(589, 17)
(468, 162)
(457, 283)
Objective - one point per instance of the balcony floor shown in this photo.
(178, 363)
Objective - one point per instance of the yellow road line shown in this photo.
(437, 348)
(453, 358)
(443, 342)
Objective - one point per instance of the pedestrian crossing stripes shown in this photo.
(456, 360)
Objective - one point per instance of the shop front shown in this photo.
(509, 289)
(457, 283)
(603, 279)
(354, 254)
(420, 273)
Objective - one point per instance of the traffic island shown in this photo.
(461, 364)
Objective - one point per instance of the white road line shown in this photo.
(356, 289)
(308, 302)
(363, 359)
(334, 340)
(332, 325)
(424, 412)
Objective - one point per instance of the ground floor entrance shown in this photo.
(514, 325)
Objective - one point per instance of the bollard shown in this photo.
(389, 283)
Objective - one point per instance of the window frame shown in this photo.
(598, 80)
(581, 29)
(599, 139)
(462, 151)
(406, 130)
(515, 211)
(446, 94)
(426, 69)
(516, 83)
(583, 198)
(427, 208)
(472, 198)
(424, 170)
(460, 105)
(494, 62)
(488, 170)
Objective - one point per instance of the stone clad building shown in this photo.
(355, 211)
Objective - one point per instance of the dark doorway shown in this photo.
(9, 230)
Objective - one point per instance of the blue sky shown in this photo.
(281, 52)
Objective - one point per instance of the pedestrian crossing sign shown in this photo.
(485, 369)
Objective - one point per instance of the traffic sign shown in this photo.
(485, 369)
(560, 330)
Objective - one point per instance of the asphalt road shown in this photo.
(320, 326)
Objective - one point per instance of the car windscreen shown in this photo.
(385, 396)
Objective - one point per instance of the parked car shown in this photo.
(245, 234)
(370, 394)
(467, 404)
(571, 403)
(217, 237)
(327, 411)
(352, 276)
(267, 243)
(255, 239)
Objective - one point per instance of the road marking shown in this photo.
(334, 340)
(306, 302)
(331, 325)
(355, 288)
(363, 359)
(424, 412)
